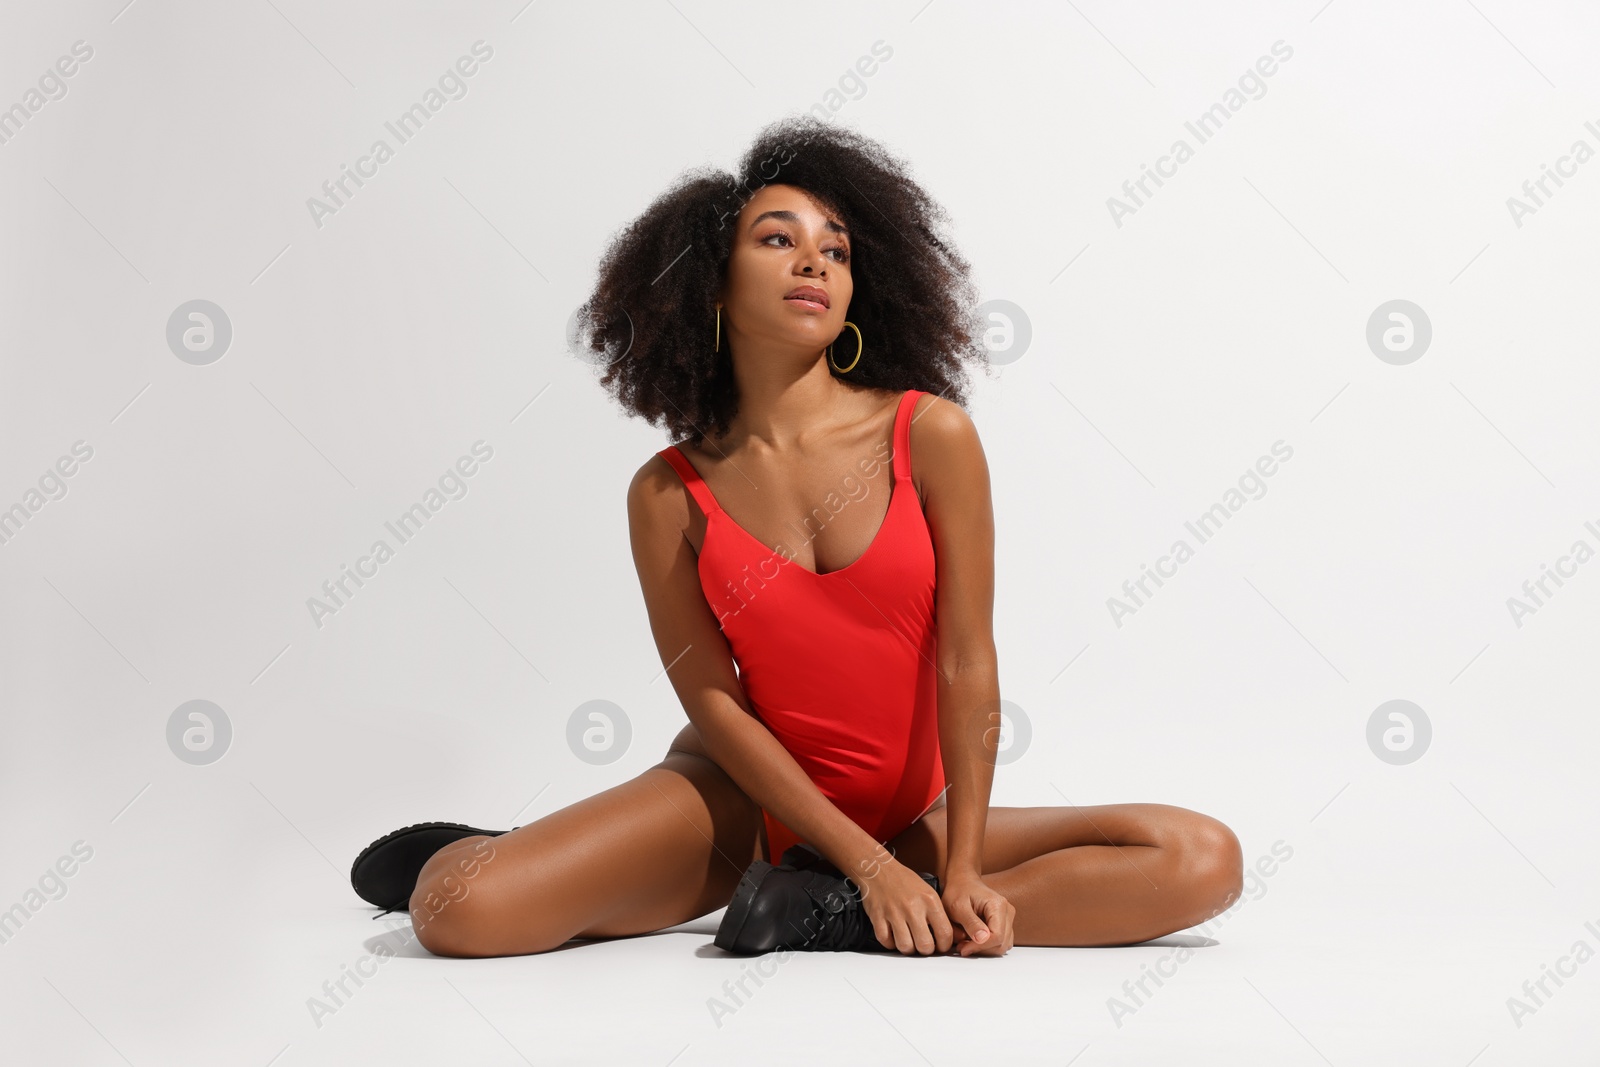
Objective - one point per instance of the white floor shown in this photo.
(1320, 964)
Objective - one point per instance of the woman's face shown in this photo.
(783, 241)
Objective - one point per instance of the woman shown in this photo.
(858, 511)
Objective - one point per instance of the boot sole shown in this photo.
(738, 913)
(357, 877)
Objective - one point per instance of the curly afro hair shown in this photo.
(651, 318)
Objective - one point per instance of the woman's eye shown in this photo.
(843, 257)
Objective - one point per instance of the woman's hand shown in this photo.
(984, 916)
(906, 913)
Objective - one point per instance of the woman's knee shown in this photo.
(457, 907)
(1211, 863)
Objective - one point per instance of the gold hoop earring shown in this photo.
(853, 362)
(718, 346)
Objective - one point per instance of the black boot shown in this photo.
(803, 904)
(386, 871)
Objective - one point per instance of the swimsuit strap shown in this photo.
(691, 478)
(902, 435)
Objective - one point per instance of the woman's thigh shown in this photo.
(1015, 835)
(660, 849)
(688, 741)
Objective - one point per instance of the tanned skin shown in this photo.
(671, 844)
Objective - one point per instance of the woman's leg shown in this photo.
(1110, 874)
(660, 849)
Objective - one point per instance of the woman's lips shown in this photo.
(810, 305)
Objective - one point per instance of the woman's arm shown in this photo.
(700, 665)
(955, 485)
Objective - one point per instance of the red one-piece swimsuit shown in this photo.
(840, 665)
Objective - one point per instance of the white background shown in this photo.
(1167, 354)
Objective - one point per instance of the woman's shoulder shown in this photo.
(933, 416)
